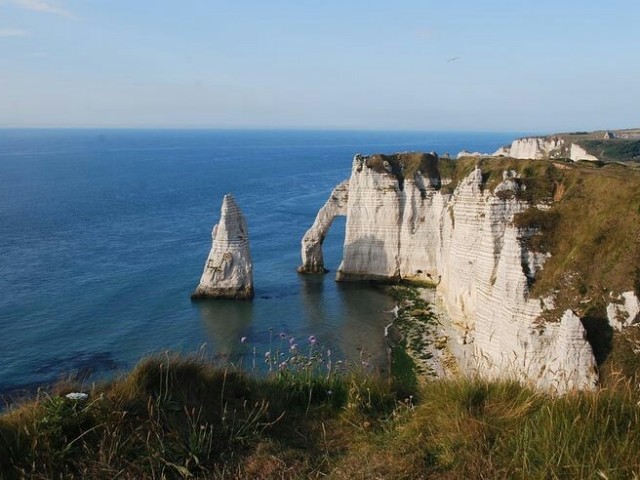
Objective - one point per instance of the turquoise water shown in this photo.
(104, 233)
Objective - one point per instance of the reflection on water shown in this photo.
(366, 312)
(311, 301)
(226, 321)
(347, 318)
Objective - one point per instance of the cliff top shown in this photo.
(606, 145)
(405, 164)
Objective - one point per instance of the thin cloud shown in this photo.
(44, 7)
(425, 34)
(13, 32)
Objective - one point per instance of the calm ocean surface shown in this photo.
(104, 234)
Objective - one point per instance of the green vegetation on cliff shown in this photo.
(184, 418)
(587, 217)
(613, 150)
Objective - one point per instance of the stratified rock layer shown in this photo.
(465, 242)
(228, 272)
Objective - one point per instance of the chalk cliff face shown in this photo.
(533, 147)
(578, 153)
(228, 272)
(624, 311)
(312, 259)
(544, 147)
(404, 226)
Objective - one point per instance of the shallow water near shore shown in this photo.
(104, 234)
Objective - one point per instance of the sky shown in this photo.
(489, 65)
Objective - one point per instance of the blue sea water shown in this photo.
(104, 234)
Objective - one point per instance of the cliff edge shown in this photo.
(511, 246)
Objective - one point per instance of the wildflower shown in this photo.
(283, 335)
(283, 365)
(312, 340)
(292, 340)
(77, 396)
(293, 347)
(267, 354)
(243, 340)
(329, 392)
(328, 352)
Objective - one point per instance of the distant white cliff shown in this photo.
(467, 244)
(544, 147)
(228, 271)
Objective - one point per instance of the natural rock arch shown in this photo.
(336, 205)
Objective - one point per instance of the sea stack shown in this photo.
(228, 272)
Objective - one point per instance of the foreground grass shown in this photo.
(185, 418)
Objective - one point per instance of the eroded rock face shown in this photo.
(467, 244)
(336, 205)
(624, 311)
(532, 147)
(544, 147)
(228, 272)
(578, 153)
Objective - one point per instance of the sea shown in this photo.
(104, 235)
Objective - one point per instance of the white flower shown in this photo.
(77, 396)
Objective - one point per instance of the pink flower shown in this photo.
(312, 340)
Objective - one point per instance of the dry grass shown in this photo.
(405, 165)
(183, 418)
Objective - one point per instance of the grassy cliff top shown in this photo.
(589, 221)
(177, 418)
(405, 165)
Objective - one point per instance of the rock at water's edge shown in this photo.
(312, 259)
(228, 272)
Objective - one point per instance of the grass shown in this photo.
(181, 417)
(405, 165)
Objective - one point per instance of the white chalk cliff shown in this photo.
(228, 271)
(312, 259)
(467, 244)
(544, 147)
(624, 311)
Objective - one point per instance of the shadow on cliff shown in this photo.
(599, 336)
(367, 260)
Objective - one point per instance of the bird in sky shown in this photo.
(452, 59)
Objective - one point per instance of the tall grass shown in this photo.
(182, 417)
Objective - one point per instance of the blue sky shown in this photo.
(422, 65)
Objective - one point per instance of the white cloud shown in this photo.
(13, 32)
(44, 7)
